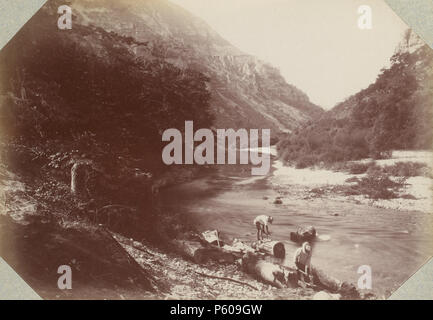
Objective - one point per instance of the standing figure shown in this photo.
(262, 224)
(302, 260)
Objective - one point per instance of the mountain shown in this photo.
(394, 112)
(411, 46)
(245, 92)
(125, 72)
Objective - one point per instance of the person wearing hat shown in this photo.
(262, 224)
(302, 260)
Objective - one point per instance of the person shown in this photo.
(302, 259)
(262, 224)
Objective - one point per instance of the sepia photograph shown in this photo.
(214, 150)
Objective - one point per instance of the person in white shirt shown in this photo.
(262, 224)
(302, 259)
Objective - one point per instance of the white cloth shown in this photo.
(263, 220)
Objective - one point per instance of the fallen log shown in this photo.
(327, 282)
(263, 270)
(274, 248)
(238, 248)
(196, 252)
(324, 280)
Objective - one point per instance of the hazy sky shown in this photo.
(316, 44)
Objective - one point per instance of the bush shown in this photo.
(352, 180)
(378, 186)
(407, 169)
(402, 169)
(359, 168)
(305, 161)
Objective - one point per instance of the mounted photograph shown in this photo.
(215, 150)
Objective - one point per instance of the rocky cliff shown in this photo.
(245, 92)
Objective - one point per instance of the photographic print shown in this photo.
(208, 150)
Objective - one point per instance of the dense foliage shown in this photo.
(395, 112)
(85, 89)
(83, 95)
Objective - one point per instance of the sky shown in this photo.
(316, 44)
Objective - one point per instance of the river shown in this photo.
(393, 243)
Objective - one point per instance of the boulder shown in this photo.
(303, 234)
(278, 201)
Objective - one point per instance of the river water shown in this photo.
(393, 243)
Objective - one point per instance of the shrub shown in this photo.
(379, 186)
(407, 169)
(305, 161)
(402, 169)
(352, 180)
(374, 186)
(359, 168)
(408, 196)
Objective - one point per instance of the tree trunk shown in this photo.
(79, 178)
(195, 251)
(274, 248)
(264, 271)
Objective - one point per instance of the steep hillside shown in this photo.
(420, 65)
(81, 97)
(395, 112)
(99, 96)
(245, 92)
